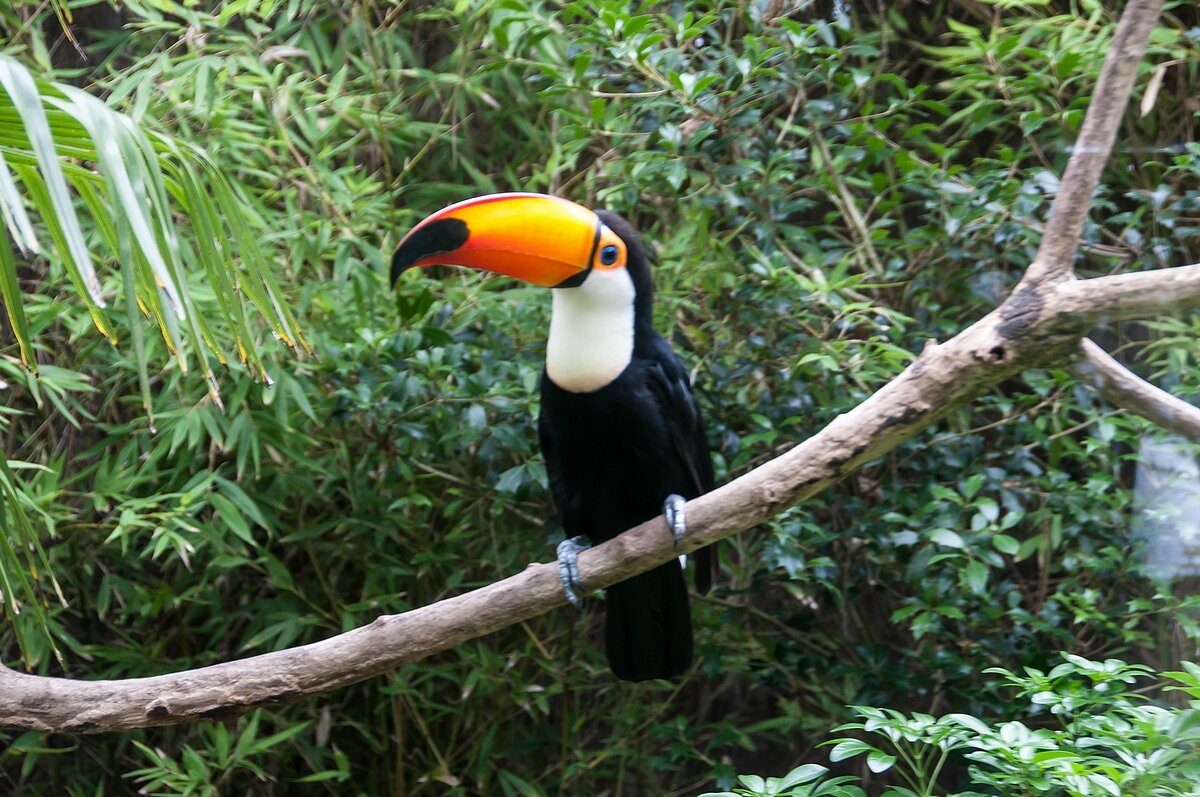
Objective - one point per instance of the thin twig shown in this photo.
(1129, 391)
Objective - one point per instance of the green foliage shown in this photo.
(824, 194)
(47, 125)
(222, 758)
(1105, 737)
(806, 780)
(55, 138)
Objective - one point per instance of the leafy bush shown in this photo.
(806, 780)
(1102, 737)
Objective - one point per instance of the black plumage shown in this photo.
(613, 456)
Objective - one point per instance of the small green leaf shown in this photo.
(988, 508)
(753, 782)
(880, 762)
(802, 774)
(848, 748)
(1006, 544)
(951, 539)
(974, 723)
(976, 576)
(231, 517)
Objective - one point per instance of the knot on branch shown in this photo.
(1020, 313)
(771, 492)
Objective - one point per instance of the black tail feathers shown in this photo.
(648, 630)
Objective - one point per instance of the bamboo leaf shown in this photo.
(39, 194)
(22, 90)
(10, 292)
(12, 211)
(130, 196)
(26, 560)
(125, 184)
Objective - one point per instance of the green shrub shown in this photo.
(1086, 731)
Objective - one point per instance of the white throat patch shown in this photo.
(591, 331)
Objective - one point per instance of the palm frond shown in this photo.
(64, 153)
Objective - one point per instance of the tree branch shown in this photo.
(1136, 295)
(1035, 326)
(1042, 322)
(1070, 208)
(1127, 390)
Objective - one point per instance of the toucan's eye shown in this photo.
(610, 250)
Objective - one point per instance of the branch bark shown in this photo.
(1135, 295)
(1125, 389)
(1096, 137)
(1042, 322)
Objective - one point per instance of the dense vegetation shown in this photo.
(826, 188)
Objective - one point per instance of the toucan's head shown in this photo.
(545, 240)
(594, 260)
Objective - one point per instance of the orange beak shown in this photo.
(537, 238)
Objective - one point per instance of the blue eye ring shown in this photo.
(608, 255)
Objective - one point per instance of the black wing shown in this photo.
(669, 381)
(548, 443)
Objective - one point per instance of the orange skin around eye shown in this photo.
(609, 238)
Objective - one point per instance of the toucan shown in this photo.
(619, 428)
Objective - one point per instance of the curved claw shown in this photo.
(673, 509)
(568, 567)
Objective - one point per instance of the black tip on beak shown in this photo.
(435, 238)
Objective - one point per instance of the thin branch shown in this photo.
(1091, 151)
(1136, 295)
(1129, 391)
(844, 199)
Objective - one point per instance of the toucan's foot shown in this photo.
(673, 509)
(568, 566)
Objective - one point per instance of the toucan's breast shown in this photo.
(591, 331)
